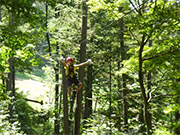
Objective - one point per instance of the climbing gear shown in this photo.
(70, 71)
(69, 59)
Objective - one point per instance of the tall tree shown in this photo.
(11, 74)
(81, 70)
(56, 74)
(123, 55)
(56, 71)
(67, 124)
(88, 92)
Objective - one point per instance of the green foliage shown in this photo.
(99, 124)
(65, 28)
(22, 31)
(162, 131)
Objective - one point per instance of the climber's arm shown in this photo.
(89, 61)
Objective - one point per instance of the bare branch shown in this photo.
(134, 6)
(134, 36)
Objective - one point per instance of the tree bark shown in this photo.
(110, 95)
(56, 69)
(10, 83)
(81, 70)
(67, 124)
(124, 88)
(3, 77)
(143, 90)
(0, 14)
(47, 34)
(88, 95)
(177, 114)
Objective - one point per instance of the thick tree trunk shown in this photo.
(143, 91)
(81, 70)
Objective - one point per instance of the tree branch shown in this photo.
(134, 6)
(162, 54)
(134, 36)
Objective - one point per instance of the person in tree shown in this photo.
(70, 73)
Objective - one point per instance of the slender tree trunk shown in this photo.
(81, 70)
(11, 85)
(119, 92)
(47, 34)
(3, 78)
(149, 88)
(177, 113)
(11, 75)
(3, 82)
(124, 88)
(0, 14)
(67, 124)
(177, 118)
(149, 74)
(56, 69)
(110, 95)
(88, 94)
(125, 104)
(143, 90)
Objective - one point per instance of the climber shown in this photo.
(70, 73)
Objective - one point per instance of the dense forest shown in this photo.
(131, 88)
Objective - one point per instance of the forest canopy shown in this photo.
(131, 77)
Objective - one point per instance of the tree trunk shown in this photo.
(56, 69)
(67, 124)
(124, 88)
(47, 34)
(149, 73)
(110, 95)
(3, 78)
(81, 70)
(0, 14)
(177, 118)
(88, 95)
(143, 90)
(177, 114)
(10, 85)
